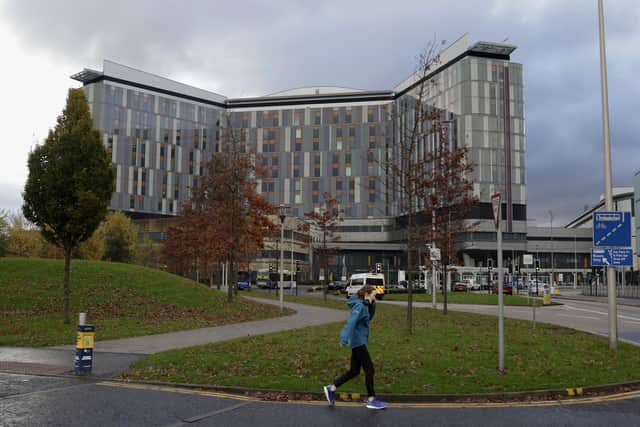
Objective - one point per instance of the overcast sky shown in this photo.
(248, 48)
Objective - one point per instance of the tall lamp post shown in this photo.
(282, 214)
(608, 188)
(553, 279)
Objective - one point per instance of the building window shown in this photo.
(352, 132)
(370, 116)
(335, 171)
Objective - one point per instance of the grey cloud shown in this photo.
(247, 48)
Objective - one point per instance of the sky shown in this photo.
(252, 48)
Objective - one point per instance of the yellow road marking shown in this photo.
(427, 405)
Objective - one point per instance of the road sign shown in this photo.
(434, 254)
(495, 204)
(615, 257)
(527, 259)
(612, 229)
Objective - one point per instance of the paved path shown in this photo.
(114, 356)
(306, 315)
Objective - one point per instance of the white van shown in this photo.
(357, 281)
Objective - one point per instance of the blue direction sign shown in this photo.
(611, 257)
(612, 229)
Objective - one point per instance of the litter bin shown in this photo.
(546, 298)
(84, 349)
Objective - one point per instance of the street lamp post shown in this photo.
(575, 262)
(292, 270)
(282, 215)
(553, 279)
(608, 188)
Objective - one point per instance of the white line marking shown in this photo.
(633, 319)
(578, 317)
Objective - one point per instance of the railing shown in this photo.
(630, 290)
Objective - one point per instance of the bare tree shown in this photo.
(423, 164)
(325, 223)
(410, 117)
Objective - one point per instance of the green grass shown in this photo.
(456, 353)
(302, 299)
(122, 300)
(468, 298)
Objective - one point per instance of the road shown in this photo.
(582, 315)
(35, 401)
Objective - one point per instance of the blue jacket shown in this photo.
(356, 331)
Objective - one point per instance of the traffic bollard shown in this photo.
(84, 347)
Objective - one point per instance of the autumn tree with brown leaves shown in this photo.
(324, 224)
(226, 218)
(446, 195)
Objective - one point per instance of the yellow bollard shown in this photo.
(546, 298)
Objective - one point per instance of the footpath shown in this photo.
(114, 356)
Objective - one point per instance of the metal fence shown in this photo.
(622, 291)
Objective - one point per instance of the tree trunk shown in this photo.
(409, 263)
(325, 266)
(67, 267)
(229, 270)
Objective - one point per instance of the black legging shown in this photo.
(359, 359)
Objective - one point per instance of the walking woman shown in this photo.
(356, 334)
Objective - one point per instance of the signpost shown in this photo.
(611, 241)
(612, 229)
(614, 257)
(497, 215)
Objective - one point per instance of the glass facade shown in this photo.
(158, 144)
(160, 134)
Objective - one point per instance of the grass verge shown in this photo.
(317, 301)
(469, 298)
(123, 300)
(456, 353)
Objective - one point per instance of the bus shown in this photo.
(270, 280)
(246, 279)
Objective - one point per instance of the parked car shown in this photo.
(472, 285)
(460, 287)
(507, 289)
(336, 285)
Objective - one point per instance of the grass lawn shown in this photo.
(302, 298)
(469, 298)
(456, 353)
(122, 300)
